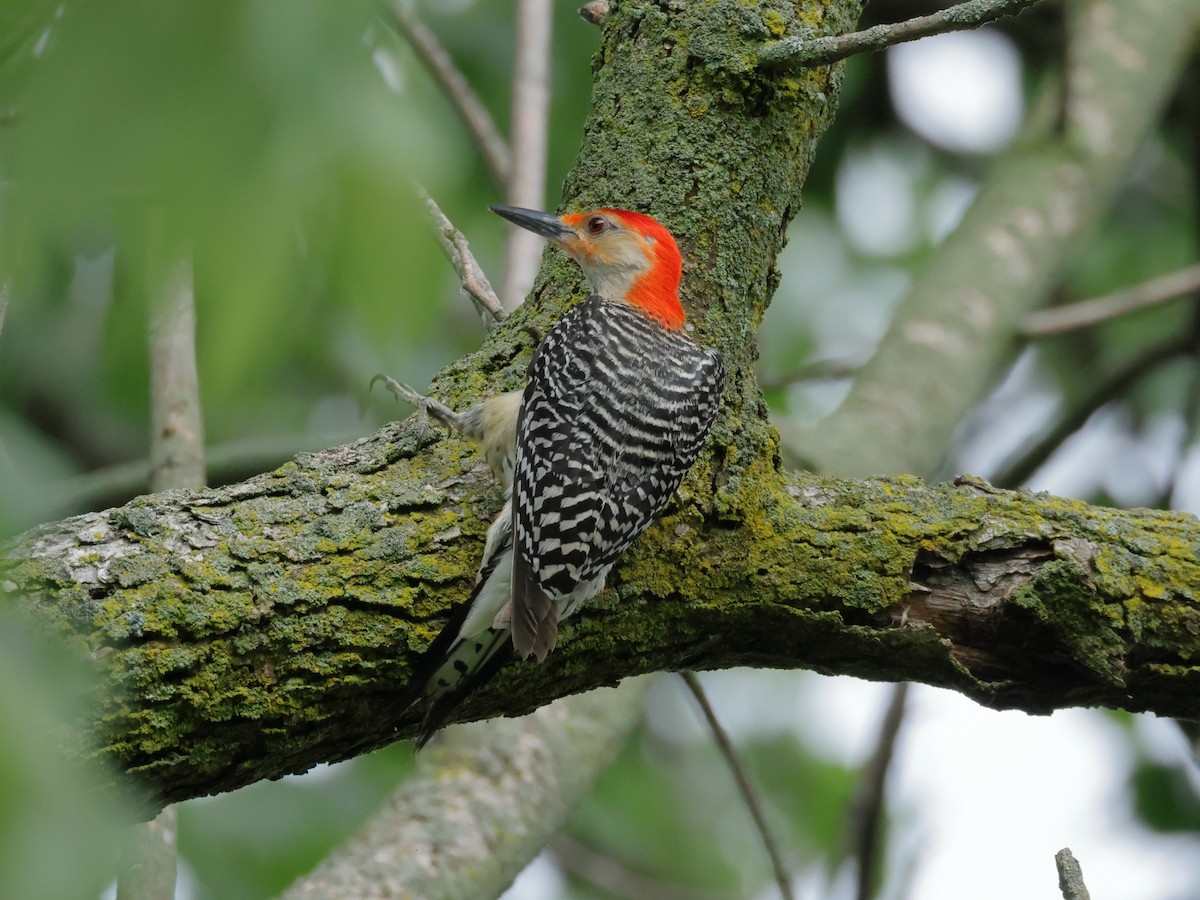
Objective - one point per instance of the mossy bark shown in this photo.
(255, 630)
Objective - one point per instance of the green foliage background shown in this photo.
(276, 143)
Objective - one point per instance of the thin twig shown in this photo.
(176, 461)
(149, 861)
(176, 421)
(466, 102)
(1117, 383)
(607, 873)
(796, 52)
(1191, 403)
(742, 777)
(1070, 876)
(529, 132)
(866, 812)
(1191, 418)
(458, 251)
(817, 370)
(1085, 313)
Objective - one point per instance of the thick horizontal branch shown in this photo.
(256, 630)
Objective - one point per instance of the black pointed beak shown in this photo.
(545, 224)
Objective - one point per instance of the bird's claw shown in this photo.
(427, 407)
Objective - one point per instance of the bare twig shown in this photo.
(466, 102)
(1085, 313)
(607, 873)
(1070, 876)
(176, 423)
(176, 461)
(458, 251)
(742, 777)
(1191, 419)
(796, 52)
(817, 370)
(1019, 471)
(148, 862)
(5, 291)
(529, 133)
(866, 812)
(427, 407)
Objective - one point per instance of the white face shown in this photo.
(612, 256)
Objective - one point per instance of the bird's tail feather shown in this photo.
(469, 665)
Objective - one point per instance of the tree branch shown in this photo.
(1086, 313)
(470, 273)
(964, 310)
(519, 779)
(865, 825)
(1070, 876)
(466, 102)
(262, 628)
(796, 52)
(1110, 386)
(150, 858)
(742, 779)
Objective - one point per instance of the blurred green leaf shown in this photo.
(56, 834)
(1165, 798)
(254, 842)
(640, 815)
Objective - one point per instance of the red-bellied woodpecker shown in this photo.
(618, 403)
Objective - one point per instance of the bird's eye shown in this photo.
(596, 224)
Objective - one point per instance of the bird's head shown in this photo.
(626, 256)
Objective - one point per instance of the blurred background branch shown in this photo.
(149, 863)
(1035, 205)
(1086, 313)
(483, 799)
(745, 787)
(480, 124)
(530, 142)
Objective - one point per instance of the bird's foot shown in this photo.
(427, 407)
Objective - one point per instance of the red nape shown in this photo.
(657, 291)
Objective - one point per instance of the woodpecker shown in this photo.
(618, 401)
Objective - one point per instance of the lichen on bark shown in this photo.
(255, 630)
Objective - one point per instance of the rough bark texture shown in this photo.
(258, 630)
(255, 630)
(458, 832)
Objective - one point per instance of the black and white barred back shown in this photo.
(614, 415)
